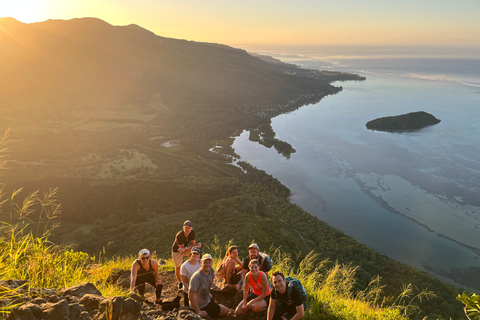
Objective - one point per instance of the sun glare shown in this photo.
(26, 11)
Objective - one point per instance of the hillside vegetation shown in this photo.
(121, 121)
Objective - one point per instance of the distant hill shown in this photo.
(404, 122)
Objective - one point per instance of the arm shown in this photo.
(229, 271)
(155, 272)
(246, 287)
(133, 275)
(185, 281)
(239, 262)
(192, 296)
(271, 308)
(300, 313)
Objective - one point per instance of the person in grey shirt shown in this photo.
(199, 291)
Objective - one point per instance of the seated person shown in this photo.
(145, 270)
(281, 305)
(230, 267)
(188, 269)
(199, 291)
(258, 299)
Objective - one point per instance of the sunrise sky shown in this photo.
(299, 22)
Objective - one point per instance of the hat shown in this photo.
(254, 245)
(207, 256)
(187, 223)
(196, 249)
(143, 251)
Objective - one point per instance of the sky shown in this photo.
(276, 22)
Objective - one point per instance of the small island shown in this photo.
(405, 122)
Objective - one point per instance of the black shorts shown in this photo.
(212, 308)
(235, 278)
(252, 296)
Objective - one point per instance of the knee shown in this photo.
(223, 311)
(239, 309)
(258, 307)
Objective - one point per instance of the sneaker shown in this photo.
(180, 285)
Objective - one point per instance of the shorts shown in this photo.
(235, 278)
(252, 296)
(212, 308)
(177, 258)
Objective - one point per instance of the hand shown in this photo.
(203, 313)
(182, 249)
(247, 305)
(199, 245)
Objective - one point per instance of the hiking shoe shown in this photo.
(180, 285)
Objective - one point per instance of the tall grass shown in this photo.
(331, 290)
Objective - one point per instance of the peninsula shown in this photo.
(404, 122)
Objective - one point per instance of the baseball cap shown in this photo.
(207, 256)
(187, 223)
(254, 245)
(196, 249)
(143, 251)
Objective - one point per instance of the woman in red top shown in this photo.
(258, 299)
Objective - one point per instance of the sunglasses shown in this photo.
(146, 258)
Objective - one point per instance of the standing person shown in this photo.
(281, 305)
(145, 270)
(199, 291)
(253, 253)
(259, 297)
(231, 267)
(188, 268)
(184, 241)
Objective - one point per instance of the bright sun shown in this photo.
(26, 11)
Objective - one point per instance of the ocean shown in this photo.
(413, 196)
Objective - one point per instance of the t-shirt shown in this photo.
(187, 270)
(247, 261)
(181, 239)
(201, 283)
(283, 298)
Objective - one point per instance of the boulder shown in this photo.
(56, 311)
(120, 278)
(91, 302)
(80, 290)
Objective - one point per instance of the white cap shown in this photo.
(207, 256)
(143, 251)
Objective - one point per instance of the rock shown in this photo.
(120, 278)
(28, 311)
(91, 302)
(80, 290)
(56, 311)
(76, 310)
(118, 308)
(38, 301)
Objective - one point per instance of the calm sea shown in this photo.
(413, 196)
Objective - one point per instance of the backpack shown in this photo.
(266, 262)
(295, 283)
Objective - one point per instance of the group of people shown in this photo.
(195, 278)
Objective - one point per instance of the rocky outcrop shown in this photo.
(84, 301)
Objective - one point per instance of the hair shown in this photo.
(229, 251)
(254, 261)
(278, 273)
